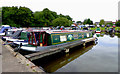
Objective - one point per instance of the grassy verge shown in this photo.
(103, 28)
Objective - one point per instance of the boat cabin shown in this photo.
(46, 38)
(38, 38)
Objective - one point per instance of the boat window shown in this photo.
(32, 39)
(38, 38)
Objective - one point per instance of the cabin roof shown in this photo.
(58, 31)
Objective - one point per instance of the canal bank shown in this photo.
(10, 63)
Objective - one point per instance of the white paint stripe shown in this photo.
(23, 43)
(28, 48)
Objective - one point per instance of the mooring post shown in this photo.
(66, 50)
(84, 44)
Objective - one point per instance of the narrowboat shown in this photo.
(3, 29)
(42, 40)
(98, 29)
(17, 37)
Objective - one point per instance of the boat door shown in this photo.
(38, 38)
(43, 39)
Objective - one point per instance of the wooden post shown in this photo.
(84, 44)
(66, 50)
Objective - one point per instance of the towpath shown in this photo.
(11, 63)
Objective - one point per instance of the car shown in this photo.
(108, 25)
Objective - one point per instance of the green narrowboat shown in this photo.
(98, 29)
(41, 40)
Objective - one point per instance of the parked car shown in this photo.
(85, 28)
(92, 26)
(108, 25)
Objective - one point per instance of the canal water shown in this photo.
(99, 57)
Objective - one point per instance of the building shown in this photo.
(108, 22)
(97, 23)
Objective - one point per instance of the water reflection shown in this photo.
(111, 35)
(55, 62)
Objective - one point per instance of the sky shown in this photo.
(77, 9)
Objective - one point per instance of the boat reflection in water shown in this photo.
(53, 63)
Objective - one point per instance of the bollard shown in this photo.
(18, 49)
(66, 50)
(84, 44)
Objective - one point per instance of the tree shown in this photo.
(111, 24)
(102, 22)
(65, 16)
(21, 16)
(24, 17)
(117, 23)
(79, 22)
(45, 17)
(38, 19)
(88, 21)
(0, 15)
(61, 21)
(9, 15)
(68, 17)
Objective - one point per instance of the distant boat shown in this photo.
(98, 29)
(16, 38)
(3, 29)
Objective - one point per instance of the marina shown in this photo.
(47, 37)
(69, 51)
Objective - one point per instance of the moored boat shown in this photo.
(3, 29)
(16, 38)
(45, 40)
(98, 29)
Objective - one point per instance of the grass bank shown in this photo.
(103, 28)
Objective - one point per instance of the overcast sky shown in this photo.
(77, 9)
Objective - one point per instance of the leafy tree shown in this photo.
(88, 21)
(102, 22)
(65, 16)
(78, 22)
(8, 15)
(117, 23)
(21, 16)
(45, 17)
(38, 19)
(111, 24)
(68, 17)
(0, 15)
(24, 17)
(61, 21)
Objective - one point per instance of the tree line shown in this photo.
(102, 22)
(24, 17)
